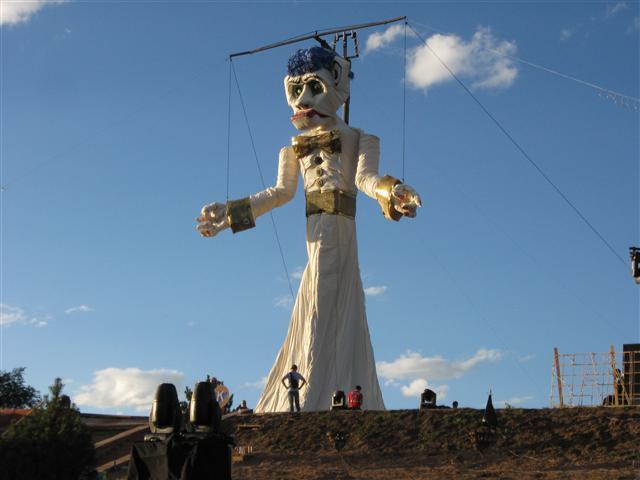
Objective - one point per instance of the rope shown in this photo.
(255, 156)
(404, 98)
(521, 150)
(484, 319)
(229, 127)
(617, 97)
(536, 262)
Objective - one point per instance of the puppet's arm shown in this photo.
(395, 198)
(241, 214)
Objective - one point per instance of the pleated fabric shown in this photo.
(328, 335)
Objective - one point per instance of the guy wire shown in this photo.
(229, 127)
(404, 98)
(619, 98)
(255, 156)
(521, 150)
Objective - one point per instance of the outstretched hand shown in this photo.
(405, 200)
(213, 219)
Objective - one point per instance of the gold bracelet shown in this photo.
(239, 215)
(383, 194)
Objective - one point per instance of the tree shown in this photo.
(184, 406)
(13, 391)
(49, 444)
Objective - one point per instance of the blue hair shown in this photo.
(307, 60)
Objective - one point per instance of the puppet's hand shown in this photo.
(213, 219)
(405, 200)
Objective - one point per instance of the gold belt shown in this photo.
(333, 202)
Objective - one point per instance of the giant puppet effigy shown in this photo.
(328, 335)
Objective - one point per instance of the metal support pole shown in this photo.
(616, 377)
(556, 361)
(345, 54)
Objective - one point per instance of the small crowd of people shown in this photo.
(293, 381)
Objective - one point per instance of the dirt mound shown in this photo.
(580, 443)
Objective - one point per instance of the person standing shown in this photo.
(294, 378)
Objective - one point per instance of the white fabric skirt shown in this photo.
(328, 335)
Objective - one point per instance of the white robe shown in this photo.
(328, 335)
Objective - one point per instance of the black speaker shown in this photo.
(204, 412)
(165, 416)
(427, 399)
(338, 400)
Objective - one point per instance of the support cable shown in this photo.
(229, 127)
(255, 156)
(521, 150)
(404, 99)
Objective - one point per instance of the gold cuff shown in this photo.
(239, 215)
(383, 194)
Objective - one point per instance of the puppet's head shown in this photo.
(316, 85)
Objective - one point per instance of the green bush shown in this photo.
(51, 443)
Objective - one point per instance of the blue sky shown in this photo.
(114, 130)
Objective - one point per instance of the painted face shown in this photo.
(315, 97)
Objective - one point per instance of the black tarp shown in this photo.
(182, 458)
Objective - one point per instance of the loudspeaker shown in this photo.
(427, 399)
(204, 412)
(165, 416)
(338, 400)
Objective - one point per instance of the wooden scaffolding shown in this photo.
(593, 379)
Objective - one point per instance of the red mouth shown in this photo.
(310, 112)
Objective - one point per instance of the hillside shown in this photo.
(572, 443)
(578, 443)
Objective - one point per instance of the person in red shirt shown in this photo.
(355, 398)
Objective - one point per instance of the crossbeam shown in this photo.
(316, 34)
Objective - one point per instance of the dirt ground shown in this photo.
(576, 443)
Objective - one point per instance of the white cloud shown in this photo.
(79, 309)
(375, 291)
(414, 366)
(382, 39)
(40, 322)
(190, 323)
(635, 25)
(614, 9)
(566, 33)
(126, 387)
(297, 273)
(12, 12)
(515, 400)
(259, 384)
(481, 60)
(9, 315)
(283, 301)
(417, 386)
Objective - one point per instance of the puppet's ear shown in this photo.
(337, 72)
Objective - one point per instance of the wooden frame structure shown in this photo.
(593, 379)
